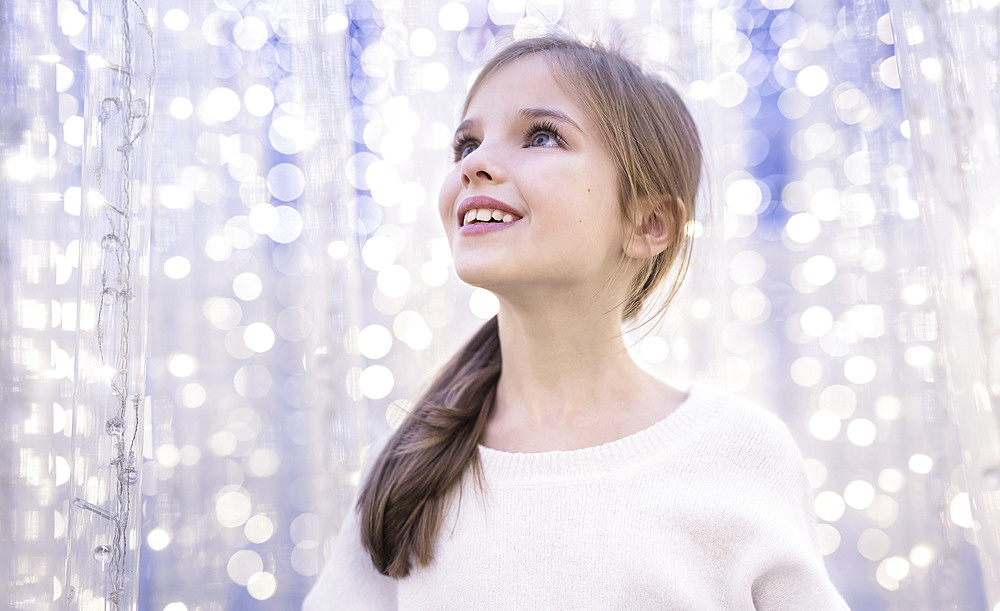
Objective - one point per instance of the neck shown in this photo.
(553, 358)
(568, 381)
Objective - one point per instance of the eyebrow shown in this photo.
(529, 114)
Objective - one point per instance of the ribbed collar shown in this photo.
(701, 407)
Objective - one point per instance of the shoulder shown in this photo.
(748, 453)
(349, 580)
(737, 413)
(743, 431)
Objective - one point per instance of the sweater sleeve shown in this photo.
(795, 576)
(349, 580)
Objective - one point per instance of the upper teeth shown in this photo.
(486, 214)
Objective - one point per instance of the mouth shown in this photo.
(478, 210)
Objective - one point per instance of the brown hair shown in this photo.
(655, 143)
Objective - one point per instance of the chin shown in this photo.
(490, 276)
(477, 276)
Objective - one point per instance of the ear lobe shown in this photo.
(655, 231)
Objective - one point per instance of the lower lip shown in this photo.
(477, 228)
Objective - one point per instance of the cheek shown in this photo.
(450, 188)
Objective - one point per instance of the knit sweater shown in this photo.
(707, 509)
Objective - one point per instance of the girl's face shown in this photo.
(532, 202)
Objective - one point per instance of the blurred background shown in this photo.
(222, 273)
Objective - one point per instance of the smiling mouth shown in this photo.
(487, 215)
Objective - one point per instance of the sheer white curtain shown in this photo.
(222, 273)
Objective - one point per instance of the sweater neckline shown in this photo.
(613, 457)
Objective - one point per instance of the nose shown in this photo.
(479, 166)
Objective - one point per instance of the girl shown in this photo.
(544, 469)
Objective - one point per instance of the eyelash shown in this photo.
(462, 139)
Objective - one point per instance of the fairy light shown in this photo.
(113, 332)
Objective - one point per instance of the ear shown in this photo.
(655, 230)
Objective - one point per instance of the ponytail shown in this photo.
(407, 494)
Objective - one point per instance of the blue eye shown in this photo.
(542, 134)
(463, 147)
(543, 139)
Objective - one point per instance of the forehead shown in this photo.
(527, 81)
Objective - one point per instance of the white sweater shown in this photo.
(707, 509)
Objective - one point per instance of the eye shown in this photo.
(463, 146)
(466, 149)
(543, 135)
(543, 139)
